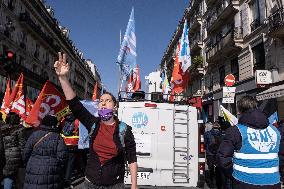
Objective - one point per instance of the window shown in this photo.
(36, 54)
(255, 15)
(21, 60)
(235, 68)
(221, 76)
(258, 57)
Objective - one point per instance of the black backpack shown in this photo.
(215, 143)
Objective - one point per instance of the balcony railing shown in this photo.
(230, 39)
(218, 16)
(255, 24)
(25, 18)
(276, 22)
(195, 22)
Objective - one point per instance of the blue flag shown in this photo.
(184, 55)
(273, 118)
(127, 54)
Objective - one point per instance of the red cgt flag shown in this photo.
(17, 99)
(49, 101)
(136, 79)
(179, 79)
(29, 106)
(6, 101)
(95, 93)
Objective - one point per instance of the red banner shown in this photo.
(5, 102)
(29, 106)
(49, 101)
(17, 99)
(179, 79)
(95, 93)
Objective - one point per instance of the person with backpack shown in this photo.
(252, 152)
(212, 140)
(13, 142)
(71, 137)
(45, 155)
(111, 144)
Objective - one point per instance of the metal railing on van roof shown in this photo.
(158, 97)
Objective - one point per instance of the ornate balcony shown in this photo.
(195, 24)
(209, 3)
(230, 43)
(196, 44)
(276, 24)
(217, 19)
(255, 24)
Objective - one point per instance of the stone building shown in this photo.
(30, 30)
(237, 37)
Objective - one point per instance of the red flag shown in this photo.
(5, 102)
(16, 102)
(179, 79)
(49, 101)
(95, 93)
(134, 81)
(29, 106)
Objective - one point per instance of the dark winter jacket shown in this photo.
(211, 138)
(233, 142)
(46, 160)
(112, 172)
(2, 156)
(14, 142)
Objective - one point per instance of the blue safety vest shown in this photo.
(257, 161)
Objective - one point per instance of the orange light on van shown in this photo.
(150, 105)
(202, 148)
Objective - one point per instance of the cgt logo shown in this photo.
(139, 120)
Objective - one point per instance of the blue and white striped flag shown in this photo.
(184, 55)
(127, 54)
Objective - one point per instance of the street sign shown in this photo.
(229, 80)
(229, 92)
(228, 100)
(263, 78)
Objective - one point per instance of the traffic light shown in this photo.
(8, 61)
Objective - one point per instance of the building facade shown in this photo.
(237, 37)
(30, 30)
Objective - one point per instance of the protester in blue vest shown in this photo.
(249, 151)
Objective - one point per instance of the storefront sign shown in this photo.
(263, 77)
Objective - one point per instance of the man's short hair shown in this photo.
(246, 103)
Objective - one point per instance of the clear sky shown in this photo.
(95, 26)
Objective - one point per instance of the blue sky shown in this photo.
(95, 26)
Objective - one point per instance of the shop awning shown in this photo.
(273, 92)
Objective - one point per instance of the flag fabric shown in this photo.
(17, 99)
(273, 118)
(29, 106)
(134, 82)
(179, 79)
(49, 101)
(95, 93)
(5, 102)
(165, 84)
(228, 116)
(184, 54)
(92, 107)
(127, 54)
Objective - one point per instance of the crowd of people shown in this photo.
(249, 155)
(45, 156)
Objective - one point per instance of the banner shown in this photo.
(184, 54)
(95, 93)
(49, 101)
(127, 54)
(17, 99)
(228, 116)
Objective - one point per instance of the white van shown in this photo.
(169, 145)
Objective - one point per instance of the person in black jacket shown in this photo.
(14, 143)
(46, 155)
(252, 152)
(106, 164)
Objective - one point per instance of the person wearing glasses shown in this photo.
(106, 163)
